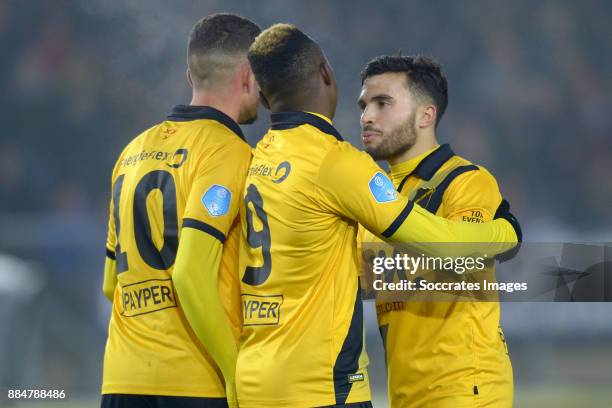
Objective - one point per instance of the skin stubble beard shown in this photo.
(397, 141)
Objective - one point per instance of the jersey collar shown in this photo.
(400, 170)
(430, 164)
(185, 113)
(433, 161)
(293, 119)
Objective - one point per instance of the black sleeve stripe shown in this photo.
(202, 226)
(435, 201)
(110, 254)
(401, 184)
(398, 221)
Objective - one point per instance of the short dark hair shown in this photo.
(283, 59)
(216, 41)
(423, 74)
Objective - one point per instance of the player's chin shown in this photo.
(369, 145)
(372, 150)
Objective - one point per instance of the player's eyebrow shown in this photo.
(375, 98)
(382, 98)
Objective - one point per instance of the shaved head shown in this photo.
(217, 45)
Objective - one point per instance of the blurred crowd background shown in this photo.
(530, 86)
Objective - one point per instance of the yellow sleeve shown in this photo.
(352, 185)
(110, 278)
(215, 190)
(229, 279)
(110, 264)
(424, 231)
(111, 237)
(472, 197)
(214, 196)
(195, 278)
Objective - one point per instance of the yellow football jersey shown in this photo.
(187, 171)
(443, 354)
(302, 343)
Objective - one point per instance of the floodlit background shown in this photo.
(530, 99)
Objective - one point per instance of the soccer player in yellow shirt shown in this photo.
(173, 235)
(306, 191)
(439, 354)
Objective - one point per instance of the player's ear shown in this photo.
(254, 85)
(189, 80)
(246, 81)
(264, 101)
(326, 73)
(427, 116)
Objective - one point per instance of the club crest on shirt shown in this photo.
(382, 188)
(217, 200)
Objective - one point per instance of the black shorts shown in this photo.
(159, 401)
(365, 404)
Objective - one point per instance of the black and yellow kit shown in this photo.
(302, 343)
(181, 176)
(445, 354)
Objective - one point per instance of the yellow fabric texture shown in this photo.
(196, 282)
(446, 354)
(297, 319)
(110, 278)
(305, 193)
(159, 186)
